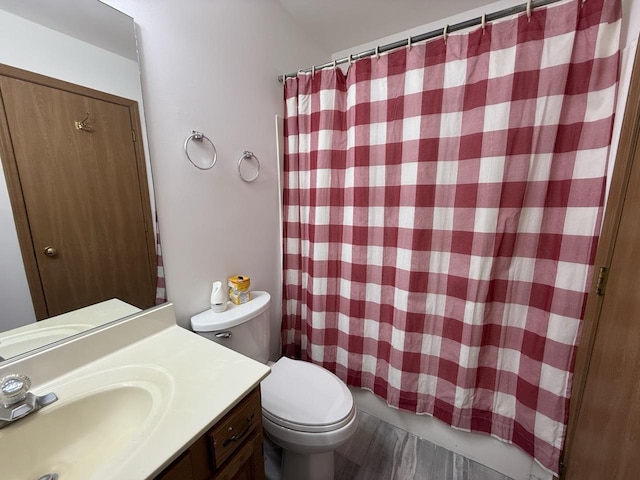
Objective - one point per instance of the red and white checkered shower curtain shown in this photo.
(441, 211)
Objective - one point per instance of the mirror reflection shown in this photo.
(91, 46)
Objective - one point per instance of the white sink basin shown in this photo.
(97, 420)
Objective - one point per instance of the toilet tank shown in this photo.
(244, 328)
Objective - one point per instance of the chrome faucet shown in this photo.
(16, 400)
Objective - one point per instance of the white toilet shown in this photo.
(306, 409)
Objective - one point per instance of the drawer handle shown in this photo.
(237, 437)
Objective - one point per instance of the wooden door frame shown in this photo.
(15, 188)
(627, 151)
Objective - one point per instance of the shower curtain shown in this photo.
(161, 289)
(442, 205)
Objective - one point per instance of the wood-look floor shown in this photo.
(380, 451)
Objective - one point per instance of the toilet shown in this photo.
(306, 410)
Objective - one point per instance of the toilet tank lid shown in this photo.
(210, 321)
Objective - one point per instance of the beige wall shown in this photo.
(212, 66)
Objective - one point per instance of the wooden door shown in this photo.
(604, 427)
(82, 194)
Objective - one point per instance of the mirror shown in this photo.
(87, 43)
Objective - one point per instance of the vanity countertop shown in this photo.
(194, 381)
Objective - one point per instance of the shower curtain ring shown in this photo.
(484, 22)
(409, 43)
(350, 59)
(313, 72)
(529, 9)
(335, 64)
(378, 51)
(445, 33)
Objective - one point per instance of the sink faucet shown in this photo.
(16, 400)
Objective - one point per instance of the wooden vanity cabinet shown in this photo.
(230, 450)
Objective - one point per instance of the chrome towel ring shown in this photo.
(246, 155)
(198, 137)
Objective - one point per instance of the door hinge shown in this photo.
(601, 284)
(133, 134)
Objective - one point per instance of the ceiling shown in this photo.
(88, 20)
(341, 24)
(335, 25)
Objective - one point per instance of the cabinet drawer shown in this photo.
(247, 463)
(235, 427)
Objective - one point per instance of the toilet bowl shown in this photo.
(309, 412)
(306, 410)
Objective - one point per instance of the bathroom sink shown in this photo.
(98, 420)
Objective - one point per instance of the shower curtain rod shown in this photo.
(489, 17)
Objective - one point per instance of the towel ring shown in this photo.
(246, 155)
(198, 137)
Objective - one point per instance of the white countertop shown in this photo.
(201, 381)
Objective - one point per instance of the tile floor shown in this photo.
(380, 451)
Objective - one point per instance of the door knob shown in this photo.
(50, 251)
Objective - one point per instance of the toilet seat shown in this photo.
(305, 397)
